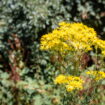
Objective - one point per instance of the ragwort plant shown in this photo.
(68, 43)
(72, 39)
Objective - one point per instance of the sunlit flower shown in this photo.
(60, 79)
(72, 37)
(97, 75)
(70, 82)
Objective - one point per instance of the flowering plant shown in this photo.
(72, 37)
(67, 43)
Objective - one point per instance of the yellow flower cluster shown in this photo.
(71, 82)
(72, 37)
(97, 75)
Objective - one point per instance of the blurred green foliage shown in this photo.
(22, 23)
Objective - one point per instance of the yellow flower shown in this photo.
(72, 37)
(97, 75)
(60, 79)
(69, 88)
(74, 85)
(103, 52)
(70, 82)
